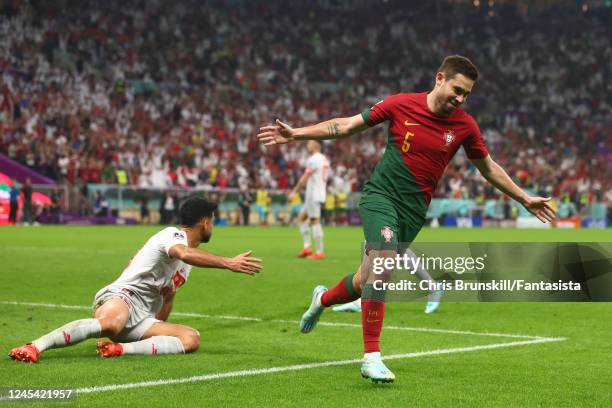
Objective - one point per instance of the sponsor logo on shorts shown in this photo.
(387, 234)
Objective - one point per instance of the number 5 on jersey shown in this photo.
(409, 134)
(406, 144)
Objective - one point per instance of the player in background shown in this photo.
(329, 215)
(315, 178)
(262, 203)
(433, 298)
(132, 311)
(425, 131)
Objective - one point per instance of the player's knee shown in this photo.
(190, 340)
(359, 286)
(111, 326)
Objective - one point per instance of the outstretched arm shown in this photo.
(281, 133)
(243, 263)
(495, 175)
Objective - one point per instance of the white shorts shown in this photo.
(312, 208)
(139, 319)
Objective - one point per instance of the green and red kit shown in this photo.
(420, 145)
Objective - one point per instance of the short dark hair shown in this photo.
(193, 209)
(456, 64)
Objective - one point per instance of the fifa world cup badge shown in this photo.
(387, 234)
(449, 137)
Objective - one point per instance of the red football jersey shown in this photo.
(420, 145)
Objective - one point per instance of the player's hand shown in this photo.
(290, 196)
(539, 207)
(280, 133)
(245, 263)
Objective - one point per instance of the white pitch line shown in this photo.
(270, 370)
(49, 305)
(426, 329)
(224, 317)
(60, 306)
(329, 324)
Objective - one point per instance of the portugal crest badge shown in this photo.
(387, 234)
(449, 137)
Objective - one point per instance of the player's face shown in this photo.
(453, 92)
(311, 146)
(206, 228)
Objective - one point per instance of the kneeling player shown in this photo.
(132, 311)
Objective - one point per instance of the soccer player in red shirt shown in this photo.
(425, 131)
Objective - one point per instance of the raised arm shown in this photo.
(495, 175)
(243, 263)
(281, 133)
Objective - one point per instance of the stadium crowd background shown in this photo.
(159, 94)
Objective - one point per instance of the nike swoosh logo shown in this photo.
(411, 124)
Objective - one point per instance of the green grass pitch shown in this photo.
(67, 265)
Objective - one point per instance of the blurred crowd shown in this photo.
(157, 94)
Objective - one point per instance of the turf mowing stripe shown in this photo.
(260, 371)
(329, 324)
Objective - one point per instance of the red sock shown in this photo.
(343, 292)
(372, 316)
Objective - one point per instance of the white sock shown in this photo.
(318, 300)
(420, 272)
(155, 345)
(317, 232)
(305, 231)
(357, 302)
(69, 334)
(371, 356)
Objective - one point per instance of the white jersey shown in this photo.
(315, 186)
(152, 273)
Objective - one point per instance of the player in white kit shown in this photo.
(315, 177)
(132, 311)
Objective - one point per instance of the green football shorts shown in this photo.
(382, 227)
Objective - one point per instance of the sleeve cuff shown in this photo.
(366, 116)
